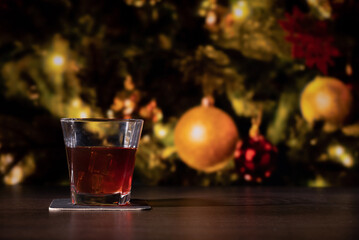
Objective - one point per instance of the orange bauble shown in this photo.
(326, 99)
(205, 138)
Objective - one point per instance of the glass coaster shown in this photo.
(65, 204)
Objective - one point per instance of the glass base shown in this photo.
(100, 199)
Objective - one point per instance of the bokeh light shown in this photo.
(58, 60)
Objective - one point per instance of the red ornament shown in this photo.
(310, 40)
(255, 158)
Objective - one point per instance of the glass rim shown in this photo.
(100, 120)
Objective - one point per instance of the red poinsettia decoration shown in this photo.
(310, 40)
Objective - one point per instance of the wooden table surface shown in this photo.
(188, 213)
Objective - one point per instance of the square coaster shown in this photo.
(65, 204)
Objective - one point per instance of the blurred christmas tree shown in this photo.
(282, 72)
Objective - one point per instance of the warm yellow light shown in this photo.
(162, 132)
(146, 139)
(58, 60)
(83, 115)
(336, 151)
(110, 114)
(5, 161)
(206, 4)
(347, 160)
(211, 18)
(15, 176)
(340, 154)
(319, 181)
(240, 10)
(313, 2)
(323, 7)
(339, 150)
(197, 132)
(76, 103)
(202, 12)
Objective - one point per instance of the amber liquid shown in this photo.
(101, 170)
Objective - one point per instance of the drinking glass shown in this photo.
(101, 158)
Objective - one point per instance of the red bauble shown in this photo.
(255, 159)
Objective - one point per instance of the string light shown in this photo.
(83, 114)
(247, 177)
(15, 176)
(340, 154)
(110, 113)
(55, 63)
(336, 151)
(205, 6)
(58, 60)
(339, 150)
(19, 172)
(249, 155)
(160, 130)
(319, 181)
(162, 133)
(240, 10)
(347, 160)
(322, 6)
(5, 161)
(211, 18)
(146, 139)
(76, 103)
(129, 107)
(349, 69)
(77, 108)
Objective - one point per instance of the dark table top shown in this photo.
(188, 213)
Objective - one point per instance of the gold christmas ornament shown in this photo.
(205, 138)
(326, 99)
